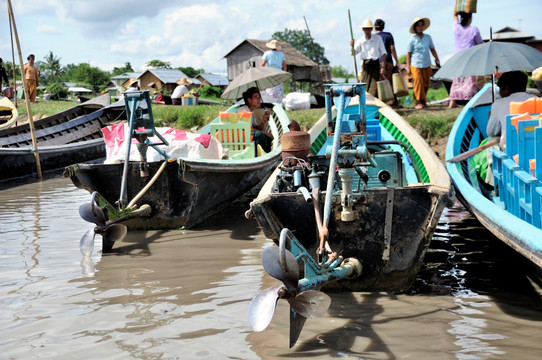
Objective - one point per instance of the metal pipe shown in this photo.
(306, 195)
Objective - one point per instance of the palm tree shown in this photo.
(51, 68)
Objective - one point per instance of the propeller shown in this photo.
(92, 213)
(281, 264)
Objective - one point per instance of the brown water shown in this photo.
(185, 294)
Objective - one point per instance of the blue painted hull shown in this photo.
(469, 129)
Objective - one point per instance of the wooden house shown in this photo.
(509, 34)
(249, 54)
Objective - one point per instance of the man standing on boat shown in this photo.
(373, 57)
(32, 75)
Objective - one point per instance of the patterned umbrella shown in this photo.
(261, 77)
(485, 58)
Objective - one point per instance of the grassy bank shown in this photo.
(433, 123)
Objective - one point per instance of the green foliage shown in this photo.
(301, 40)
(121, 70)
(86, 74)
(57, 91)
(402, 59)
(158, 64)
(185, 117)
(211, 92)
(190, 71)
(340, 71)
(50, 69)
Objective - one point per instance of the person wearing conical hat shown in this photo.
(274, 58)
(419, 60)
(180, 90)
(373, 57)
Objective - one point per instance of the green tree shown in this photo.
(88, 75)
(158, 64)
(301, 41)
(340, 71)
(50, 68)
(121, 70)
(190, 71)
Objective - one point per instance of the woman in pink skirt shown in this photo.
(466, 36)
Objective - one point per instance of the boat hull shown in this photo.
(407, 226)
(186, 193)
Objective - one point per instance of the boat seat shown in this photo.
(236, 138)
(538, 199)
(526, 142)
(498, 179)
(510, 185)
(528, 204)
(538, 152)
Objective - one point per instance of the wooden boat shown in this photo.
(8, 113)
(187, 189)
(73, 135)
(380, 206)
(511, 210)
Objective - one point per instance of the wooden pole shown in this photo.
(26, 94)
(353, 51)
(13, 66)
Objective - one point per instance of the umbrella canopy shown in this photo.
(261, 77)
(484, 59)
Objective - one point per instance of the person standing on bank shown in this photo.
(373, 57)
(3, 74)
(389, 45)
(465, 36)
(419, 60)
(275, 59)
(32, 75)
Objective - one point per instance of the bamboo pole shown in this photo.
(13, 65)
(26, 94)
(353, 51)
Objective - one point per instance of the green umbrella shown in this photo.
(485, 58)
(261, 77)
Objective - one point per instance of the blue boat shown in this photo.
(512, 209)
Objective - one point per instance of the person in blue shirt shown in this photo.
(419, 60)
(275, 58)
(391, 54)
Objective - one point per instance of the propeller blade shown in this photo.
(296, 325)
(92, 213)
(115, 232)
(271, 264)
(86, 244)
(310, 303)
(262, 308)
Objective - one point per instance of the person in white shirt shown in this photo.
(512, 86)
(180, 90)
(373, 57)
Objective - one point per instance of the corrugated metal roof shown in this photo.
(215, 80)
(128, 75)
(167, 76)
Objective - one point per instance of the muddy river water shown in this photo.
(184, 294)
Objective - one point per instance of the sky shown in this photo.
(109, 33)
